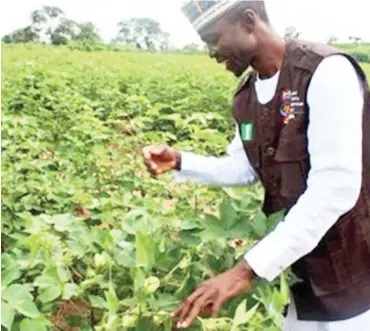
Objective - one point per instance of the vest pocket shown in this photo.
(320, 275)
(292, 156)
(329, 273)
(292, 148)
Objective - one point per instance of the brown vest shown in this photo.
(336, 274)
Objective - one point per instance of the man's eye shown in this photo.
(214, 40)
(210, 39)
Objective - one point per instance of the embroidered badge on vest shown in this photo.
(246, 131)
(289, 103)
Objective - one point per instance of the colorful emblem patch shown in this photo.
(285, 105)
(289, 105)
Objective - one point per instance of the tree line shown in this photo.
(50, 25)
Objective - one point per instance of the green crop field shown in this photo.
(89, 240)
(366, 67)
(362, 47)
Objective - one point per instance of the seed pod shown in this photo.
(151, 284)
(129, 321)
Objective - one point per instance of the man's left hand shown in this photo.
(214, 293)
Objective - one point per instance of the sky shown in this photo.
(316, 19)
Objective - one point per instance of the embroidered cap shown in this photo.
(202, 13)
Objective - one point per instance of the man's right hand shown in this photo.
(159, 159)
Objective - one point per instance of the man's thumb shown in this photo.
(158, 150)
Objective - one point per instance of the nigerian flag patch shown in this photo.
(247, 131)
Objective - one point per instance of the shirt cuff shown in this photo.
(189, 162)
(266, 259)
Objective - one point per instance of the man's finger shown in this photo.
(184, 307)
(148, 166)
(207, 309)
(218, 305)
(147, 163)
(196, 293)
(195, 310)
(151, 166)
(155, 172)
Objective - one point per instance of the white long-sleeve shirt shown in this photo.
(335, 98)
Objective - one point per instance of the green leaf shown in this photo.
(53, 272)
(284, 287)
(20, 299)
(8, 261)
(63, 273)
(228, 214)
(28, 324)
(124, 257)
(237, 193)
(50, 294)
(71, 290)
(258, 224)
(74, 319)
(97, 302)
(274, 219)
(143, 324)
(189, 224)
(277, 300)
(27, 307)
(62, 222)
(77, 247)
(9, 275)
(44, 281)
(166, 301)
(240, 230)
(133, 220)
(129, 302)
(112, 301)
(86, 328)
(97, 280)
(7, 315)
(15, 292)
(139, 277)
(242, 316)
(188, 237)
(103, 237)
(143, 258)
(35, 224)
(112, 323)
(214, 225)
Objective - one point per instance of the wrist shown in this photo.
(245, 270)
(177, 160)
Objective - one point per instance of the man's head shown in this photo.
(233, 32)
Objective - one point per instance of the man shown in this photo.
(303, 129)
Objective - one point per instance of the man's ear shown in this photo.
(249, 19)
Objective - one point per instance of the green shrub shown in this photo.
(361, 56)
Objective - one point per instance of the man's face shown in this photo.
(231, 43)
